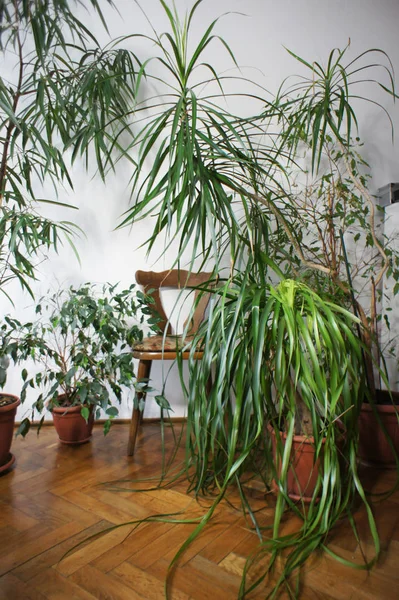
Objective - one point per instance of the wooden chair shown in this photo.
(165, 346)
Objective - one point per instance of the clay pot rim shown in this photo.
(380, 408)
(69, 409)
(302, 439)
(8, 407)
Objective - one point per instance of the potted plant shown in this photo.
(207, 162)
(81, 341)
(57, 85)
(286, 365)
(340, 246)
(8, 410)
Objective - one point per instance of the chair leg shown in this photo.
(143, 373)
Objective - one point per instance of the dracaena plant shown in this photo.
(81, 344)
(197, 165)
(272, 351)
(59, 90)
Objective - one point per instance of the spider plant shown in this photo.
(273, 350)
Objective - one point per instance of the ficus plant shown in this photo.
(80, 345)
(62, 98)
(339, 244)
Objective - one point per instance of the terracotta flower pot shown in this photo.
(303, 471)
(70, 425)
(374, 448)
(7, 420)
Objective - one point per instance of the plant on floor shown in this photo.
(318, 119)
(287, 368)
(223, 183)
(61, 95)
(341, 246)
(81, 341)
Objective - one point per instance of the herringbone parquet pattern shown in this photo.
(55, 498)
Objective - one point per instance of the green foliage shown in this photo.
(66, 93)
(320, 106)
(198, 165)
(82, 339)
(271, 350)
(217, 181)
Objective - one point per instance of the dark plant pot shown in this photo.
(374, 448)
(7, 420)
(303, 470)
(70, 425)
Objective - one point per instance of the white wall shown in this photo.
(310, 28)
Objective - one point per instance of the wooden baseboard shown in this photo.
(119, 421)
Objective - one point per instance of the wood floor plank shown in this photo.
(212, 532)
(147, 585)
(138, 540)
(42, 543)
(54, 586)
(106, 587)
(18, 519)
(54, 555)
(202, 580)
(92, 550)
(53, 510)
(221, 546)
(58, 496)
(326, 575)
(18, 476)
(103, 510)
(168, 542)
(130, 507)
(11, 588)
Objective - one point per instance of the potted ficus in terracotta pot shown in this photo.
(8, 410)
(80, 343)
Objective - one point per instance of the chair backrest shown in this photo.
(152, 282)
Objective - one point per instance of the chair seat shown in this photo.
(161, 347)
(165, 343)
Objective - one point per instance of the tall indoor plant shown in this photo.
(341, 246)
(58, 88)
(208, 162)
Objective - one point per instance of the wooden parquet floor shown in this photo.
(56, 499)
